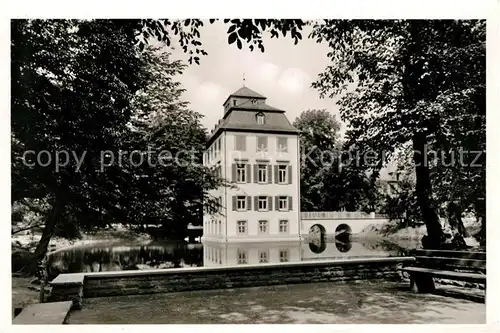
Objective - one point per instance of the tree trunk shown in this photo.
(424, 194)
(481, 214)
(49, 228)
(455, 219)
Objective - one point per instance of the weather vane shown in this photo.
(243, 79)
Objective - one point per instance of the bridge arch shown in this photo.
(335, 222)
(317, 238)
(343, 230)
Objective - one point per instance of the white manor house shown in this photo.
(255, 147)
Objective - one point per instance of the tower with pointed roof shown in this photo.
(255, 147)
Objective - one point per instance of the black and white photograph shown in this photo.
(248, 171)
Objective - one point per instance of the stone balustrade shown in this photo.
(342, 215)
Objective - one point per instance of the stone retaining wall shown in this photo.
(188, 279)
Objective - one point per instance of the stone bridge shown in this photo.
(334, 224)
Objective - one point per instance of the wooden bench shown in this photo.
(451, 265)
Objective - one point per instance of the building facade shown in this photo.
(256, 149)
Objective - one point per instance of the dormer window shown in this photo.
(260, 119)
(234, 102)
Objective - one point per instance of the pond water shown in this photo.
(130, 256)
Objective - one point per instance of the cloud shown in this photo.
(205, 97)
(209, 91)
(294, 80)
(268, 71)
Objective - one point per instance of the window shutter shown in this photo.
(255, 173)
(270, 203)
(234, 202)
(269, 174)
(249, 203)
(234, 172)
(276, 203)
(248, 173)
(290, 206)
(256, 203)
(276, 174)
(289, 174)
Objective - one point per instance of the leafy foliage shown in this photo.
(69, 95)
(240, 31)
(319, 140)
(169, 192)
(75, 88)
(398, 80)
(330, 180)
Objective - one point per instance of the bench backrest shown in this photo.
(454, 260)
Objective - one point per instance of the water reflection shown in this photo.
(317, 238)
(318, 243)
(168, 255)
(344, 246)
(125, 257)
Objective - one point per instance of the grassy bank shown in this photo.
(29, 241)
(391, 232)
(25, 288)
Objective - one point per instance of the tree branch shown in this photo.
(27, 228)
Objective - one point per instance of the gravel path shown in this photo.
(322, 303)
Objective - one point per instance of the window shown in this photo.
(234, 102)
(260, 119)
(220, 227)
(242, 257)
(283, 226)
(241, 203)
(261, 143)
(242, 227)
(262, 203)
(282, 145)
(263, 227)
(240, 173)
(283, 203)
(263, 257)
(241, 142)
(262, 173)
(282, 170)
(283, 255)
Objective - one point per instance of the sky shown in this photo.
(283, 74)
